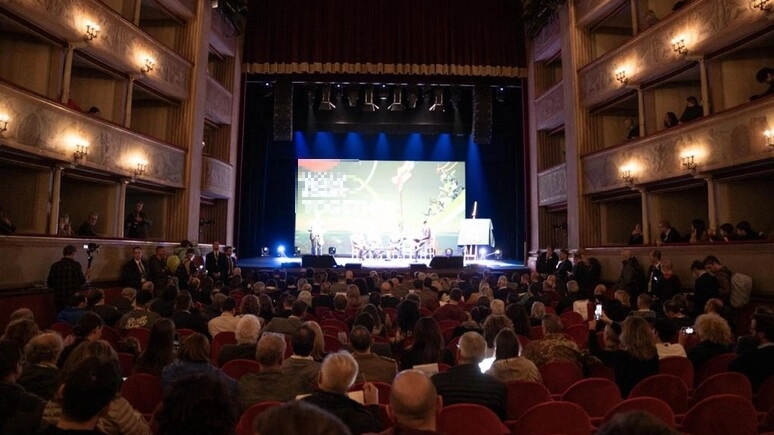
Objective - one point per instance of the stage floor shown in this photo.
(375, 263)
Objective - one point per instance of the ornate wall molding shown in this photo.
(548, 43)
(119, 43)
(549, 108)
(707, 25)
(589, 11)
(51, 130)
(217, 178)
(723, 140)
(183, 9)
(219, 103)
(552, 185)
(221, 38)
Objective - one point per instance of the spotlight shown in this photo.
(352, 93)
(411, 98)
(482, 253)
(384, 93)
(397, 100)
(498, 254)
(325, 99)
(281, 250)
(369, 105)
(265, 251)
(296, 251)
(449, 252)
(500, 95)
(437, 100)
(310, 91)
(332, 250)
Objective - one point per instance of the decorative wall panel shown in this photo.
(552, 185)
(217, 178)
(549, 108)
(219, 103)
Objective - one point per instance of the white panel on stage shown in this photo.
(476, 232)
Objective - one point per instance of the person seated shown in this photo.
(414, 404)
(74, 309)
(692, 110)
(268, 383)
(699, 232)
(198, 404)
(6, 227)
(632, 129)
(764, 75)
(636, 237)
(635, 423)
(371, 366)
(744, 231)
(194, 357)
(298, 417)
(554, 344)
(670, 120)
(301, 366)
(247, 331)
(95, 301)
(667, 234)
(20, 411)
(288, 325)
(40, 375)
(141, 316)
(725, 233)
(509, 365)
(665, 332)
(714, 337)
(644, 302)
(758, 363)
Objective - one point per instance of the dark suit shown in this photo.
(547, 265)
(671, 236)
(132, 275)
(757, 364)
(192, 321)
(158, 273)
(705, 288)
(215, 265)
(465, 383)
(564, 270)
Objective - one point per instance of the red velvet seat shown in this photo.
(558, 375)
(236, 368)
(392, 312)
(552, 418)
(571, 318)
(443, 367)
(448, 333)
(665, 387)
(536, 332)
(657, 407)
(679, 366)
(451, 346)
(443, 324)
(723, 383)
(383, 388)
(467, 418)
(764, 397)
(523, 395)
(596, 396)
(218, 341)
(579, 333)
(523, 340)
(112, 336)
(141, 334)
(184, 332)
(143, 392)
(126, 361)
(723, 414)
(336, 323)
(247, 419)
(332, 343)
(602, 371)
(716, 364)
(62, 328)
(332, 329)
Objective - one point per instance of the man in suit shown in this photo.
(137, 223)
(547, 261)
(229, 264)
(158, 271)
(668, 234)
(66, 277)
(758, 363)
(289, 325)
(135, 271)
(215, 263)
(301, 366)
(414, 404)
(705, 288)
(564, 267)
(464, 383)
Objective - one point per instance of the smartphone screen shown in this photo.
(598, 312)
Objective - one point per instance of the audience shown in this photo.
(714, 337)
(301, 366)
(554, 344)
(428, 346)
(20, 411)
(192, 358)
(247, 331)
(198, 404)
(141, 316)
(88, 328)
(40, 375)
(160, 351)
(371, 366)
(298, 417)
(414, 404)
(509, 365)
(758, 363)
(226, 321)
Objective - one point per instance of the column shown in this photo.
(128, 103)
(67, 73)
(711, 201)
(645, 215)
(121, 207)
(705, 97)
(55, 195)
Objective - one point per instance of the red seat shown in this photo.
(379, 339)
(111, 336)
(467, 418)
(288, 346)
(322, 312)
(451, 346)
(425, 312)
(602, 371)
(443, 367)
(523, 395)
(126, 361)
(596, 396)
(332, 344)
(764, 398)
(392, 312)
(184, 332)
(552, 418)
(141, 334)
(723, 383)
(383, 388)
(572, 318)
(523, 340)
(767, 423)
(236, 368)
(218, 341)
(443, 324)
(716, 364)
(657, 407)
(333, 329)
(62, 328)
(558, 375)
(665, 387)
(579, 333)
(143, 392)
(336, 323)
(154, 420)
(247, 419)
(679, 366)
(536, 332)
(721, 415)
(448, 333)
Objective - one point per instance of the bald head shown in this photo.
(337, 372)
(414, 402)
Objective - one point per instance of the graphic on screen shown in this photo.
(378, 208)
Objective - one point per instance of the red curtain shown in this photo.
(402, 37)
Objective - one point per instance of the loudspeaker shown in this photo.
(482, 114)
(283, 110)
(418, 267)
(447, 262)
(353, 266)
(318, 261)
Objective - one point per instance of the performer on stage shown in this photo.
(424, 240)
(396, 241)
(315, 236)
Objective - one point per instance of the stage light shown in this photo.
(437, 100)
(397, 100)
(265, 251)
(297, 251)
(281, 249)
(332, 250)
(498, 254)
(449, 252)
(325, 99)
(482, 253)
(369, 105)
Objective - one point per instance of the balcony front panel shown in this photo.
(220, 38)
(552, 185)
(219, 103)
(217, 178)
(52, 131)
(118, 43)
(727, 139)
(182, 9)
(705, 26)
(590, 11)
(549, 108)
(548, 43)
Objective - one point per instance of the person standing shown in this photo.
(158, 271)
(135, 271)
(215, 262)
(424, 240)
(65, 277)
(137, 223)
(315, 236)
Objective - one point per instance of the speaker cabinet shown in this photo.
(283, 110)
(455, 262)
(353, 266)
(482, 115)
(318, 261)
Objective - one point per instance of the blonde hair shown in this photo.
(637, 338)
(538, 310)
(318, 351)
(623, 297)
(497, 306)
(713, 328)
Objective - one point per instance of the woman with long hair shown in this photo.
(518, 315)
(88, 328)
(194, 357)
(160, 351)
(428, 346)
(318, 350)
(509, 365)
(536, 316)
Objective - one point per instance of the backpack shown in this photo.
(741, 287)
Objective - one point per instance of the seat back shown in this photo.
(451, 346)
(657, 407)
(112, 336)
(665, 387)
(558, 375)
(523, 340)
(247, 419)
(716, 364)
(332, 343)
(543, 419)
(579, 333)
(335, 323)
(536, 332)
(448, 324)
(467, 418)
(218, 341)
(184, 332)
(126, 361)
(570, 318)
(236, 368)
(764, 398)
(596, 396)
(142, 391)
(679, 366)
(721, 415)
(523, 395)
(141, 334)
(62, 328)
(382, 387)
(724, 383)
(602, 371)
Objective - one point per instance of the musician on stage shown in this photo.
(422, 242)
(315, 236)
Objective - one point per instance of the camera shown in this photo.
(598, 312)
(688, 330)
(91, 248)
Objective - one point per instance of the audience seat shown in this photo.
(143, 392)
(716, 364)
(332, 329)
(321, 312)
(536, 332)
(552, 418)
(111, 336)
(382, 387)
(392, 312)
(523, 395)
(764, 398)
(141, 334)
(448, 324)
(579, 333)
(332, 343)
(679, 366)
(523, 340)
(237, 368)
(723, 383)
(602, 371)
(184, 332)
(596, 396)
(126, 361)
(571, 318)
(247, 419)
(723, 414)
(341, 326)
(62, 328)
(451, 346)
(652, 405)
(467, 418)
(443, 367)
(558, 375)
(218, 341)
(665, 387)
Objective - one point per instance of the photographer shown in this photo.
(66, 277)
(137, 223)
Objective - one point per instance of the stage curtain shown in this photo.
(482, 38)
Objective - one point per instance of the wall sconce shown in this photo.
(148, 66)
(678, 45)
(626, 176)
(689, 163)
(92, 30)
(620, 75)
(140, 170)
(768, 133)
(3, 123)
(761, 4)
(81, 151)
